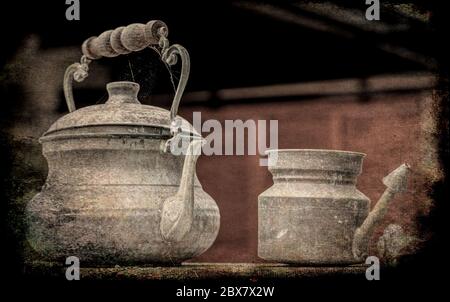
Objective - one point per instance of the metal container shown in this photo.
(114, 193)
(314, 214)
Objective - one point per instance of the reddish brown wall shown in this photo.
(386, 128)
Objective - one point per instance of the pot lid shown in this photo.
(122, 114)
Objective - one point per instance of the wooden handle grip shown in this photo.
(123, 40)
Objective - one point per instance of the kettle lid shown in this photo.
(122, 114)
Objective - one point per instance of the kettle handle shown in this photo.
(123, 40)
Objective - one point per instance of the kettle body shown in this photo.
(108, 180)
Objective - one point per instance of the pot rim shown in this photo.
(330, 151)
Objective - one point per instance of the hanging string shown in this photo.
(131, 70)
(167, 66)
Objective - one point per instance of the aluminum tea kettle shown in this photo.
(116, 190)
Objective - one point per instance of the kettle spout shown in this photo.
(395, 182)
(178, 210)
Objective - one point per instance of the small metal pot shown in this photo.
(314, 214)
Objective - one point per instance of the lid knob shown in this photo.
(122, 92)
